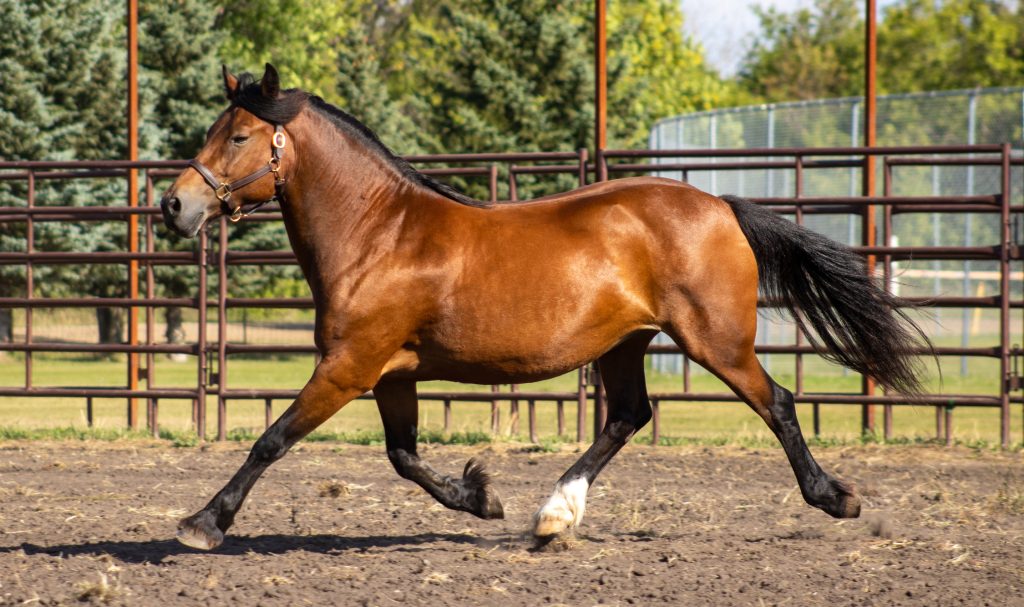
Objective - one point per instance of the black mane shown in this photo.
(290, 102)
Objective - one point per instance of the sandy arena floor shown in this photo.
(94, 522)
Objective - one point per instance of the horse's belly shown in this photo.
(505, 358)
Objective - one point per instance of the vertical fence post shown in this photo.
(495, 414)
(133, 202)
(30, 245)
(655, 422)
(200, 415)
(887, 240)
(268, 412)
(447, 415)
(799, 358)
(581, 404)
(1004, 300)
(222, 328)
(151, 403)
(561, 417)
(513, 412)
(532, 415)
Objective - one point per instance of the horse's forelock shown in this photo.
(278, 110)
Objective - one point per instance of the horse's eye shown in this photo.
(239, 139)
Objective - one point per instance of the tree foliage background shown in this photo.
(428, 76)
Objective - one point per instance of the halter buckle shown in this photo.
(223, 192)
(275, 167)
(278, 140)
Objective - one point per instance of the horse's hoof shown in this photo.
(199, 532)
(564, 509)
(485, 502)
(490, 504)
(549, 523)
(844, 501)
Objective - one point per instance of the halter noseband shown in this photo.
(223, 190)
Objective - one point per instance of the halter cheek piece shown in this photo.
(223, 190)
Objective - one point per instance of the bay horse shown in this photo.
(415, 281)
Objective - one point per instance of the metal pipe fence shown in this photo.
(212, 258)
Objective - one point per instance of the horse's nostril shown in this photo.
(175, 204)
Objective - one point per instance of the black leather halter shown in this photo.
(223, 190)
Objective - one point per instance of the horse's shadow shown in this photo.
(161, 551)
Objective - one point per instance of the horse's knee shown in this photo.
(269, 448)
(626, 423)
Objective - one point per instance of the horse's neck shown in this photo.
(338, 196)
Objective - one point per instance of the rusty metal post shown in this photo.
(870, 113)
(513, 412)
(513, 189)
(152, 404)
(268, 412)
(887, 230)
(799, 192)
(816, 414)
(949, 426)
(492, 182)
(222, 329)
(1004, 302)
(88, 411)
(655, 422)
(133, 201)
(447, 415)
(561, 417)
(201, 345)
(581, 404)
(495, 414)
(600, 78)
(531, 406)
(30, 244)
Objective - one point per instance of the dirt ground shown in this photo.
(333, 525)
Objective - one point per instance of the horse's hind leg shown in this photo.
(399, 410)
(327, 391)
(622, 370)
(723, 343)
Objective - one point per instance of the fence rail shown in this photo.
(212, 258)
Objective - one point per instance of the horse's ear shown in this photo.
(270, 83)
(230, 82)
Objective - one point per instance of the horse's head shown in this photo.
(239, 166)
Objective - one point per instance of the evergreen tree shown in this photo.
(61, 68)
(180, 96)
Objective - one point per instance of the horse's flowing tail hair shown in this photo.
(825, 284)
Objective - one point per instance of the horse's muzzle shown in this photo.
(170, 207)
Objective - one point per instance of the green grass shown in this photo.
(359, 422)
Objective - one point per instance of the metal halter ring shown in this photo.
(223, 192)
(278, 140)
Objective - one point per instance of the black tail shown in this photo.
(860, 325)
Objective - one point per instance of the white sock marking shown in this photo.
(563, 509)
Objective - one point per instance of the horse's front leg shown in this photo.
(399, 410)
(332, 386)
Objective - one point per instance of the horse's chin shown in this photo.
(190, 230)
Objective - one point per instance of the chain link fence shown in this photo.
(975, 116)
